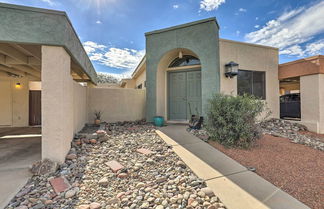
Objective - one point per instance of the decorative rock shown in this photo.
(114, 165)
(103, 181)
(93, 141)
(71, 156)
(122, 175)
(112, 201)
(44, 167)
(70, 193)
(140, 185)
(209, 192)
(144, 151)
(161, 181)
(60, 184)
(95, 205)
(83, 207)
(22, 207)
(181, 164)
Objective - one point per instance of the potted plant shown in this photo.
(97, 117)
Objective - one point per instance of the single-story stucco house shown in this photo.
(186, 64)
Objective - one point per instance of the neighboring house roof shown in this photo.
(302, 67)
(29, 25)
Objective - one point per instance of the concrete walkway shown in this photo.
(19, 148)
(226, 171)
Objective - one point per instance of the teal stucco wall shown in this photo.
(202, 38)
(28, 25)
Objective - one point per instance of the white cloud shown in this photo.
(257, 26)
(294, 50)
(238, 32)
(98, 22)
(209, 5)
(256, 18)
(291, 29)
(50, 2)
(120, 58)
(176, 6)
(242, 10)
(315, 48)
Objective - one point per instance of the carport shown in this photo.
(42, 67)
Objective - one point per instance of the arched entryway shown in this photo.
(179, 85)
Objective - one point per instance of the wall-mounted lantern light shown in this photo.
(231, 69)
(18, 85)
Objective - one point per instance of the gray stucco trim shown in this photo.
(211, 19)
(29, 25)
(202, 39)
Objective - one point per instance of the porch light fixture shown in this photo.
(180, 55)
(231, 69)
(18, 85)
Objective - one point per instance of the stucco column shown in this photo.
(312, 102)
(57, 103)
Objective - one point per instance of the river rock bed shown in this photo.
(297, 133)
(157, 179)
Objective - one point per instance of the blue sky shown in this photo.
(112, 31)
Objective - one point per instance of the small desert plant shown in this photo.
(233, 120)
(97, 115)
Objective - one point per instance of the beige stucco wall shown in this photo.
(116, 104)
(255, 58)
(15, 111)
(35, 85)
(141, 79)
(57, 103)
(312, 102)
(79, 106)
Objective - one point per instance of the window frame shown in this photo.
(171, 65)
(252, 88)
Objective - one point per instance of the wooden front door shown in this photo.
(184, 94)
(35, 113)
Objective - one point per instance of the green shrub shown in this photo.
(232, 120)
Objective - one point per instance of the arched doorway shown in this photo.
(184, 88)
(179, 85)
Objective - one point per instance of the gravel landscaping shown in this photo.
(288, 156)
(124, 165)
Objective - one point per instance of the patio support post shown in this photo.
(57, 103)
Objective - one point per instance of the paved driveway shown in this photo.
(19, 148)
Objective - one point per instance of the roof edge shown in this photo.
(54, 12)
(211, 19)
(247, 43)
(303, 60)
(32, 9)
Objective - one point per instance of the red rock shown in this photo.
(114, 165)
(144, 151)
(190, 200)
(122, 175)
(121, 194)
(60, 184)
(93, 141)
(101, 132)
